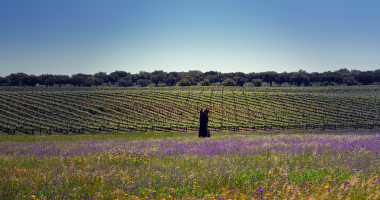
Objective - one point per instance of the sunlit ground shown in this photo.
(230, 165)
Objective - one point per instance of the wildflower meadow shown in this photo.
(341, 164)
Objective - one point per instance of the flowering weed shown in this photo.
(227, 166)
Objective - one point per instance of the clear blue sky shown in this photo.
(68, 37)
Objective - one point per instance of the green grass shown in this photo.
(230, 165)
(21, 137)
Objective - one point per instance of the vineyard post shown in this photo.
(211, 102)
(221, 124)
(378, 113)
(262, 113)
(187, 100)
(39, 126)
(236, 123)
(198, 104)
(199, 98)
(249, 111)
(211, 97)
(356, 124)
(324, 123)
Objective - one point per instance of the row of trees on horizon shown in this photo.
(194, 77)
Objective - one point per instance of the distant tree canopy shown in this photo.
(113, 77)
(49, 81)
(32, 80)
(185, 82)
(3, 81)
(257, 82)
(195, 77)
(240, 81)
(365, 78)
(102, 77)
(125, 82)
(63, 79)
(299, 78)
(17, 79)
(283, 77)
(121, 74)
(171, 80)
(229, 82)
(349, 81)
(205, 82)
(78, 79)
(270, 77)
(144, 82)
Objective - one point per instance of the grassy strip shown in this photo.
(240, 165)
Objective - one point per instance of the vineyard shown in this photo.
(110, 109)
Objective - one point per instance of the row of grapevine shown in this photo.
(116, 109)
(331, 90)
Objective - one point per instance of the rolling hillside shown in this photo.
(80, 110)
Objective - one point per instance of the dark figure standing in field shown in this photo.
(203, 119)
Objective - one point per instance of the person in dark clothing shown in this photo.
(203, 119)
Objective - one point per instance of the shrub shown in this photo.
(205, 82)
(144, 82)
(91, 81)
(299, 78)
(125, 82)
(349, 81)
(184, 82)
(229, 82)
(239, 81)
(257, 82)
(193, 82)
